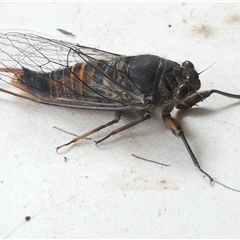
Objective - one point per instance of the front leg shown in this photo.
(200, 96)
(172, 124)
(193, 99)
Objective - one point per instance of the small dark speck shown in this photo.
(169, 25)
(65, 159)
(65, 32)
(27, 218)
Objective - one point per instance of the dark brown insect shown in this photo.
(65, 74)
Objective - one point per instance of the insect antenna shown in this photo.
(199, 94)
(206, 68)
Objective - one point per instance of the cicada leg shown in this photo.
(116, 119)
(200, 96)
(145, 116)
(175, 126)
(177, 130)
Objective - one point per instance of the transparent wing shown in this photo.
(78, 76)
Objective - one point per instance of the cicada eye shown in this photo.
(188, 64)
(182, 92)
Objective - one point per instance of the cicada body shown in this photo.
(83, 77)
(66, 74)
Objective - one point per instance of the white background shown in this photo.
(102, 191)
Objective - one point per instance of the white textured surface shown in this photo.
(102, 191)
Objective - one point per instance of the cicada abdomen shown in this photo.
(83, 84)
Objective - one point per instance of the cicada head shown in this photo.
(189, 81)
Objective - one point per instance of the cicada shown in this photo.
(66, 74)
